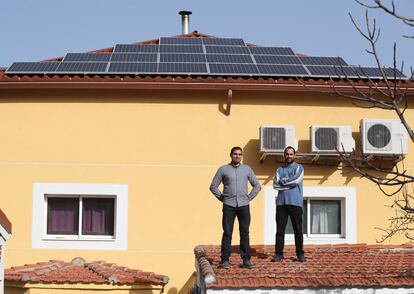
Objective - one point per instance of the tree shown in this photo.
(389, 94)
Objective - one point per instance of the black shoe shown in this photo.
(301, 257)
(247, 263)
(224, 264)
(277, 258)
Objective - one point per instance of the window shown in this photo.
(80, 216)
(329, 216)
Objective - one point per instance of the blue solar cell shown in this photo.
(271, 50)
(227, 49)
(32, 67)
(186, 57)
(231, 68)
(282, 70)
(374, 72)
(137, 68)
(123, 48)
(224, 41)
(180, 41)
(276, 59)
(134, 57)
(181, 49)
(332, 71)
(186, 68)
(93, 57)
(225, 58)
(316, 60)
(82, 67)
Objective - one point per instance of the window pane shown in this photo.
(325, 216)
(289, 227)
(98, 216)
(62, 216)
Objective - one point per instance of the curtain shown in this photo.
(98, 216)
(62, 216)
(325, 217)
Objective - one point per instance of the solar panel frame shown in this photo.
(180, 68)
(270, 50)
(229, 58)
(87, 57)
(233, 69)
(277, 59)
(82, 67)
(183, 57)
(224, 41)
(180, 41)
(133, 67)
(282, 70)
(134, 57)
(136, 48)
(33, 67)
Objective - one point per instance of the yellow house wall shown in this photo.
(166, 145)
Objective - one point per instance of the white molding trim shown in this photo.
(3, 233)
(347, 194)
(385, 290)
(120, 191)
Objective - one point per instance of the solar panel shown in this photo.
(127, 67)
(134, 57)
(282, 70)
(276, 59)
(93, 57)
(180, 41)
(187, 57)
(32, 67)
(187, 68)
(227, 49)
(271, 50)
(311, 60)
(136, 48)
(375, 72)
(225, 58)
(224, 41)
(181, 49)
(227, 68)
(333, 71)
(82, 67)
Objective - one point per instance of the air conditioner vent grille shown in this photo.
(326, 138)
(274, 138)
(379, 135)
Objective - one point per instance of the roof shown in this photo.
(171, 81)
(5, 222)
(357, 265)
(79, 271)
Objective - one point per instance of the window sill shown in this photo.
(78, 239)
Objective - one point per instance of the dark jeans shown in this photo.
(243, 216)
(295, 213)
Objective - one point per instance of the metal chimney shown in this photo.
(185, 21)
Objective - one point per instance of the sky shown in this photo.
(42, 29)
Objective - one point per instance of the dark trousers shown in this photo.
(243, 216)
(295, 213)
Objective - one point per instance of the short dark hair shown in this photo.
(289, 147)
(234, 149)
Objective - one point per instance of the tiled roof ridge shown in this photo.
(205, 266)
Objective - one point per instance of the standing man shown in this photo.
(289, 182)
(235, 198)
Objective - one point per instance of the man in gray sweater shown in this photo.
(235, 198)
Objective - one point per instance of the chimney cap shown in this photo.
(184, 12)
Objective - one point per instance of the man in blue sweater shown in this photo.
(235, 197)
(288, 181)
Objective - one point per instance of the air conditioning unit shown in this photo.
(329, 139)
(383, 136)
(275, 138)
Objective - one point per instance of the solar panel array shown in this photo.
(199, 56)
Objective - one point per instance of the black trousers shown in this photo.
(243, 216)
(295, 213)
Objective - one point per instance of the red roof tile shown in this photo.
(357, 265)
(79, 271)
(4, 221)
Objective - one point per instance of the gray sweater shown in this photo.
(234, 179)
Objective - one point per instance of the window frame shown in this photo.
(42, 191)
(347, 196)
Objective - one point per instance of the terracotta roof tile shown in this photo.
(79, 271)
(356, 265)
(4, 221)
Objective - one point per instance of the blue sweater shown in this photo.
(288, 181)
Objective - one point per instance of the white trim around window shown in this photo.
(347, 196)
(41, 192)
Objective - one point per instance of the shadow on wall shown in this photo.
(187, 287)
